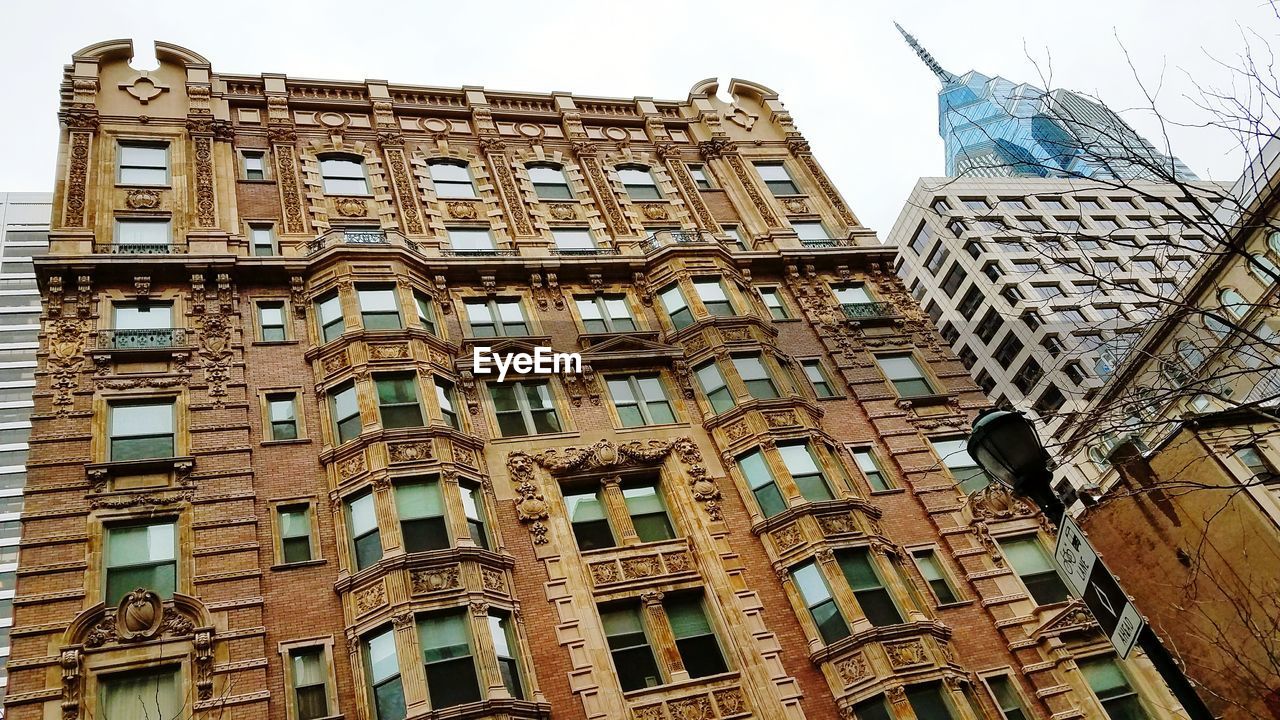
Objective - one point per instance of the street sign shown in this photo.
(1091, 581)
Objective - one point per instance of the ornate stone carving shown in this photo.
(795, 206)
(983, 534)
(69, 660)
(852, 669)
(836, 524)
(511, 197)
(531, 506)
(398, 351)
(641, 567)
(604, 193)
(203, 644)
(411, 451)
(716, 147)
(435, 579)
(461, 210)
(352, 466)
(827, 188)
(731, 701)
(139, 615)
(738, 430)
(287, 177)
(162, 621)
(787, 537)
(335, 362)
(907, 653)
(77, 178)
(66, 358)
(649, 712)
(783, 418)
(603, 573)
(692, 196)
(206, 215)
(997, 502)
(762, 206)
(562, 211)
(403, 184)
(694, 708)
(678, 562)
(139, 199)
(464, 455)
(370, 598)
(655, 211)
(351, 207)
(494, 580)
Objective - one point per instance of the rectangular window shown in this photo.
(810, 231)
(970, 303)
(502, 632)
(310, 682)
(1033, 566)
(873, 709)
(147, 232)
(570, 239)
(470, 240)
(398, 405)
(735, 238)
(921, 239)
(589, 520)
(422, 516)
(447, 397)
(931, 569)
(676, 306)
(871, 470)
(648, 512)
(262, 238)
(451, 179)
(640, 400)
(639, 183)
(695, 639)
(447, 653)
(1005, 693)
(713, 386)
(937, 259)
(818, 378)
(345, 410)
(549, 182)
(141, 556)
(282, 414)
(713, 297)
(966, 472)
(817, 598)
(755, 469)
(605, 313)
(141, 430)
(855, 294)
(132, 322)
(426, 313)
(496, 317)
(1008, 350)
(363, 523)
(633, 659)
(144, 163)
(773, 301)
(755, 375)
(329, 313)
(953, 280)
(804, 469)
(777, 179)
(905, 374)
(295, 532)
(155, 689)
(255, 164)
(1107, 681)
(343, 176)
(868, 588)
(271, 325)
(473, 511)
(379, 309)
(524, 408)
(927, 701)
(384, 675)
(700, 177)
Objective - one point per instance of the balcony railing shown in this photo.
(347, 237)
(149, 339)
(828, 242)
(868, 310)
(488, 252)
(138, 249)
(664, 238)
(585, 251)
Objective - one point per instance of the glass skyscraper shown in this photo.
(993, 127)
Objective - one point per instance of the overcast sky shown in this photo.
(856, 91)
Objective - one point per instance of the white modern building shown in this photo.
(1040, 285)
(24, 218)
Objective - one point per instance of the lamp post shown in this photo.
(1005, 445)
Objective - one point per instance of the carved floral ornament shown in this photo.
(531, 505)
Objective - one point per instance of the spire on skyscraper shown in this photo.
(926, 57)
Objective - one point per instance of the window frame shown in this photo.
(140, 220)
(365, 315)
(600, 302)
(337, 422)
(261, 326)
(1034, 540)
(824, 378)
(358, 160)
(270, 395)
(930, 384)
(259, 153)
(873, 457)
(413, 381)
(722, 391)
(354, 538)
(525, 410)
(278, 509)
(452, 185)
(172, 521)
(493, 308)
(778, 310)
(149, 144)
(630, 188)
(789, 187)
(640, 401)
(538, 186)
(287, 651)
(323, 328)
(170, 401)
(943, 573)
(705, 181)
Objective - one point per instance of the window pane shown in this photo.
(142, 317)
(147, 693)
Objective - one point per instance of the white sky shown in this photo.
(857, 92)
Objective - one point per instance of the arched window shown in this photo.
(1216, 326)
(1273, 242)
(1234, 302)
(452, 179)
(549, 182)
(1260, 264)
(1099, 458)
(1190, 354)
(639, 182)
(344, 175)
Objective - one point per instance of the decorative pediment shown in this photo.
(141, 615)
(623, 348)
(997, 502)
(1074, 618)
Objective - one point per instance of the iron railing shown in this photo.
(865, 310)
(347, 237)
(585, 251)
(664, 238)
(828, 243)
(151, 338)
(447, 252)
(139, 249)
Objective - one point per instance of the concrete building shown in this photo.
(271, 479)
(24, 234)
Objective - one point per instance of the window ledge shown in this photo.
(273, 342)
(294, 441)
(906, 403)
(956, 604)
(100, 472)
(890, 491)
(831, 397)
(651, 428)
(565, 435)
(731, 675)
(302, 564)
(264, 181)
(162, 186)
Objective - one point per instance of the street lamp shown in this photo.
(1006, 446)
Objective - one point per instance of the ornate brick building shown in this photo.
(268, 481)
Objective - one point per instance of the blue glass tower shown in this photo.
(992, 127)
